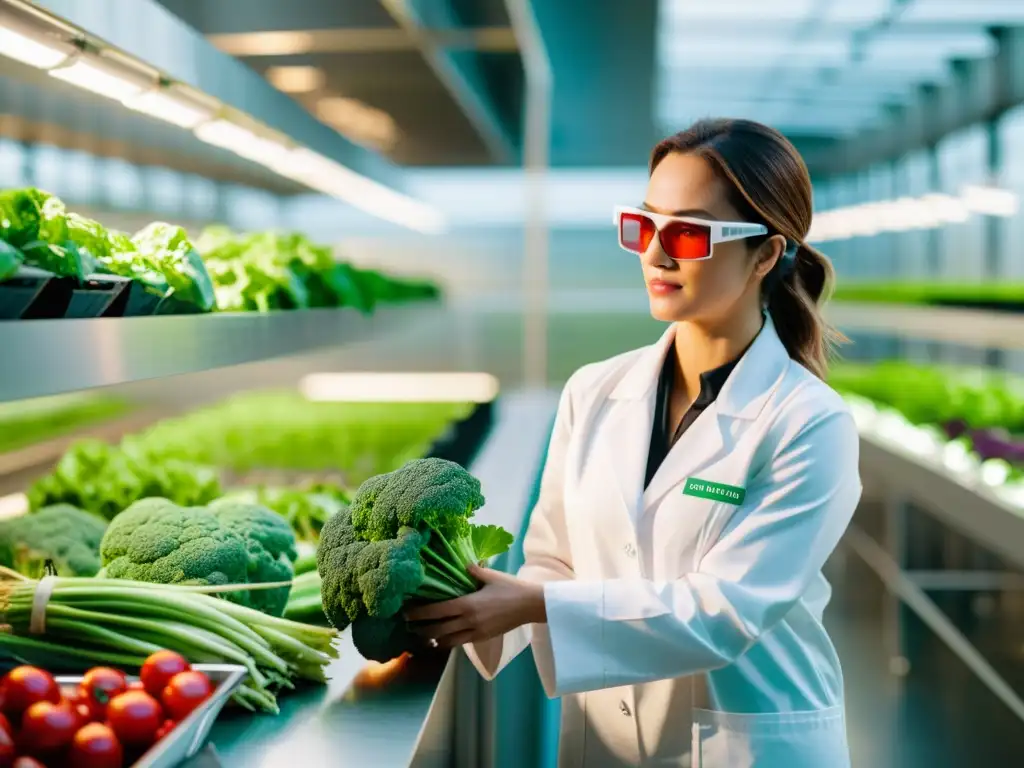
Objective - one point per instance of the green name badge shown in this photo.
(705, 489)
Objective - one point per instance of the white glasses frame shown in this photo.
(721, 231)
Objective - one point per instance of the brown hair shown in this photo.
(769, 184)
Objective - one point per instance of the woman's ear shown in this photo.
(768, 255)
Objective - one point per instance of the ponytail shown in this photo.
(795, 303)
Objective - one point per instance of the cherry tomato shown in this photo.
(7, 749)
(158, 670)
(5, 724)
(101, 684)
(88, 711)
(47, 727)
(24, 686)
(95, 746)
(185, 692)
(166, 728)
(136, 685)
(27, 762)
(135, 717)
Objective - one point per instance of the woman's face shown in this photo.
(712, 290)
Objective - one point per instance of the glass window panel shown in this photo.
(12, 164)
(981, 12)
(121, 184)
(48, 168)
(80, 177)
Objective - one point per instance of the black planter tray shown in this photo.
(20, 292)
(94, 296)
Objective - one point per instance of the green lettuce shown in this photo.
(10, 260)
(36, 223)
(166, 248)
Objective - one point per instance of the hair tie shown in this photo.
(787, 262)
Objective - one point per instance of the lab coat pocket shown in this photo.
(815, 739)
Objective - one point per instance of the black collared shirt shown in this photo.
(662, 437)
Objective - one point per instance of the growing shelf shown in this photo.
(980, 328)
(967, 506)
(46, 357)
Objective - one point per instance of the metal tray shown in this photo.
(188, 738)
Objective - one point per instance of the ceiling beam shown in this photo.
(979, 91)
(458, 71)
(348, 40)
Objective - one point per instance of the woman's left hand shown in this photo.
(503, 603)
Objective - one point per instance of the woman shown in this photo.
(672, 587)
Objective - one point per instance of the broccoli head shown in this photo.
(423, 493)
(390, 571)
(270, 542)
(154, 540)
(337, 560)
(63, 534)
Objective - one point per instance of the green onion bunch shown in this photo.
(93, 621)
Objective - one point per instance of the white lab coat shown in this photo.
(681, 628)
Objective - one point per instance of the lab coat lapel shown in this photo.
(629, 421)
(711, 437)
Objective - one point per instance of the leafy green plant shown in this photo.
(283, 430)
(105, 479)
(25, 422)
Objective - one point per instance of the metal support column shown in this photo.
(536, 157)
(994, 357)
(892, 609)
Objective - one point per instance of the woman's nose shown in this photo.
(655, 255)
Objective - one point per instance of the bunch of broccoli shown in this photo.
(227, 542)
(406, 538)
(62, 535)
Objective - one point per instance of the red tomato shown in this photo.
(166, 728)
(7, 749)
(95, 746)
(47, 727)
(5, 724)
(135, 717)
(100, 685)
(158, 670)
(24, 686)
(136, 685)
(185, 692)
(86, 708)
(27, 762)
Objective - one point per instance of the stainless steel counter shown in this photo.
(418, 717)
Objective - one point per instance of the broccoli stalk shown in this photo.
(444, 565)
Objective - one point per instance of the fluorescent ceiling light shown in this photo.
(991, 200)
(167, 106)
(331, 178)
(29, 50)
(400, 387)
(296, 79)
(100, 77)
(244, 143)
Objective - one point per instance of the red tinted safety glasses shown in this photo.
(683, 238)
